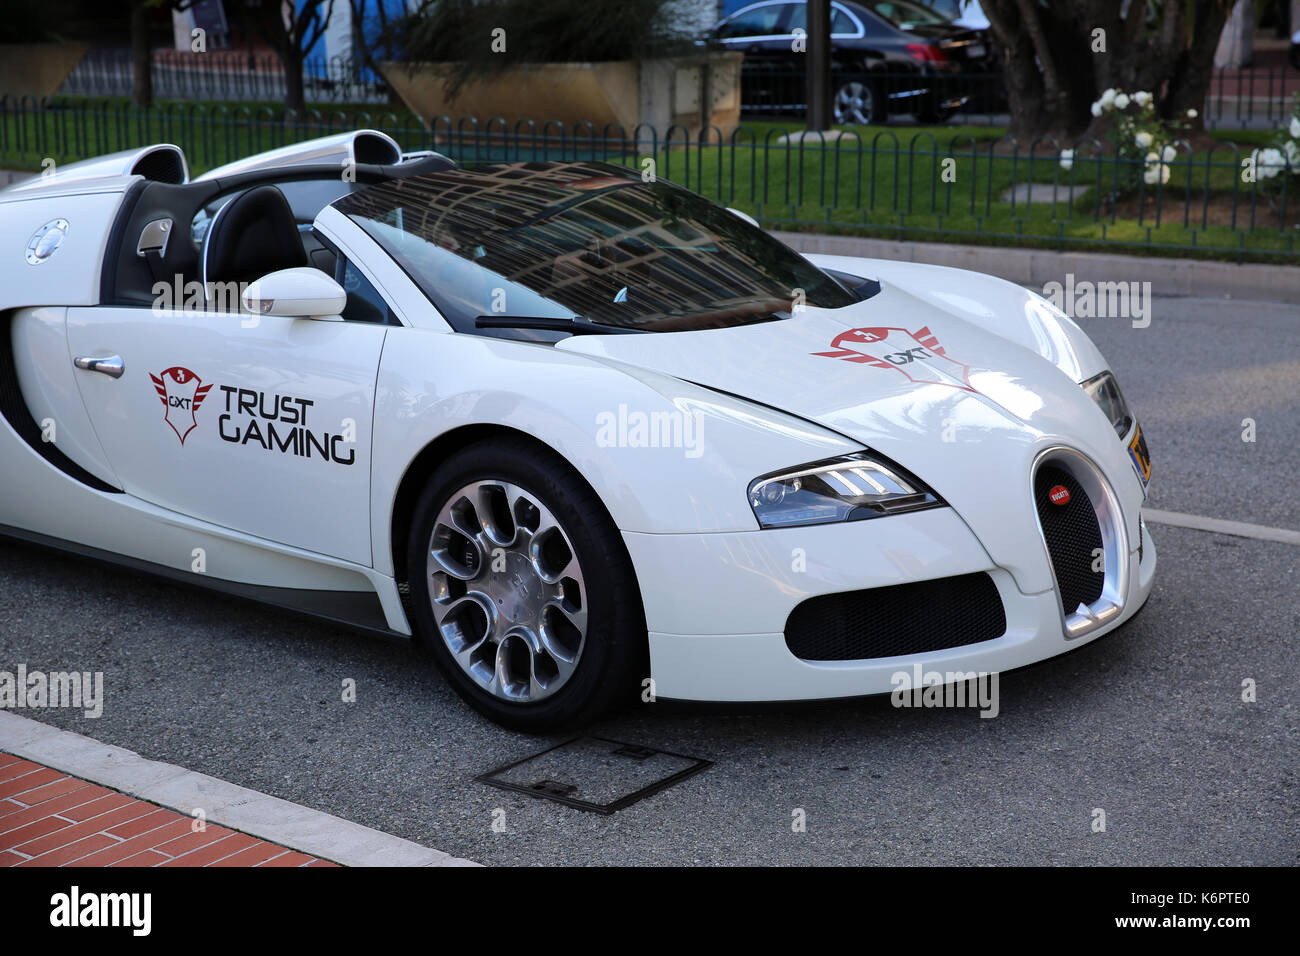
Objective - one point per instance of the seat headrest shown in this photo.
(253, 234)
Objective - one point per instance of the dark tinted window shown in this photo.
(904, 13)
(841, 22)
(761, 21)
(559, 240)
(365, 304)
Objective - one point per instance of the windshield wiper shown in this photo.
(577, 325)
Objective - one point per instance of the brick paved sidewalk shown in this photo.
(48, 818)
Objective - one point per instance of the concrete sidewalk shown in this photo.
(66, 799)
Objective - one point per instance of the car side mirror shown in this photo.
(745, 216)
(301, 293)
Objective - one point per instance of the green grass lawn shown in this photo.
(940, 183)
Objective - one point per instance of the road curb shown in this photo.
(257, 814)
(1037, 267)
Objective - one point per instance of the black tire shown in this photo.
(613, 658)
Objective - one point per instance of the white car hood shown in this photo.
(961, 407)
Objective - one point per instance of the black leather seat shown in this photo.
(253, 234)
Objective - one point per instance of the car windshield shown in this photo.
(563, 240)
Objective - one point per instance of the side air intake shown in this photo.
(163, 163)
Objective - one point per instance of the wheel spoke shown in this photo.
(575, 616)
(490, 505)
(448, 616)
(520, 629)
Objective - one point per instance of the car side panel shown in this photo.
(70, 276)
(48, 385)
(40, 499)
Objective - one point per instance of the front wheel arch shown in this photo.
(418, 473)
(610, 597)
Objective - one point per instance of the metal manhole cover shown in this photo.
(596, 774)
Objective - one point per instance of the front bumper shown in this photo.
(716, 605)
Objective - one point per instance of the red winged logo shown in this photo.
(181, 392)
(917, 355)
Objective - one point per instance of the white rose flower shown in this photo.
(1096, 108)
(1268, 163)
(1164, 173)
(1108, 99)
(1169, 154)
(1121, 101)
(1192, 114)
(1143, 140)
(1142, 98)
(1152, 173)
(1067, 159)
(1295, 127)
(1292, 154)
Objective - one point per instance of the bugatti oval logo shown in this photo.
(1059, 494)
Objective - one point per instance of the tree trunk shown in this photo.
(1189, 86)
(1048, 73)
(141, 56)
(1054, 66)
(294, 98)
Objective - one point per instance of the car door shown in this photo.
(260, 424)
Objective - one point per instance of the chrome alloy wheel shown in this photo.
(854, 103)
(507, 591)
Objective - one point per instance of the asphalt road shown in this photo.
(1146, 724)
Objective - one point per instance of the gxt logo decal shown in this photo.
(181, 392)
(902, 351)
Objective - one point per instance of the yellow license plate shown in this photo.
(1137, 450)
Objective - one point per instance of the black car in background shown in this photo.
(888, 57)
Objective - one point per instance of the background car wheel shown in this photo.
(855, 103)
(523, 591)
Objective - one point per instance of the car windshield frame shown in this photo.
(557, 241)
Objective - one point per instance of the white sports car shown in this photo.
(578, 434)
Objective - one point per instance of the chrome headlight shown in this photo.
(850, 488)
(1104, 390)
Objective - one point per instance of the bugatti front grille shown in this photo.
(897, 620)
(1072, 534)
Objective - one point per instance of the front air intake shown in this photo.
(1086, 542)
(1072, 534)
(897, 620)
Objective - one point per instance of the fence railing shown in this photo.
(975, 186)
(225, 75)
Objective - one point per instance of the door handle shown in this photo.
(110, 365)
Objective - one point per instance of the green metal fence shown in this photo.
(973, 185)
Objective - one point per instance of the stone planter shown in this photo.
(37, 69)
(691, 92)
